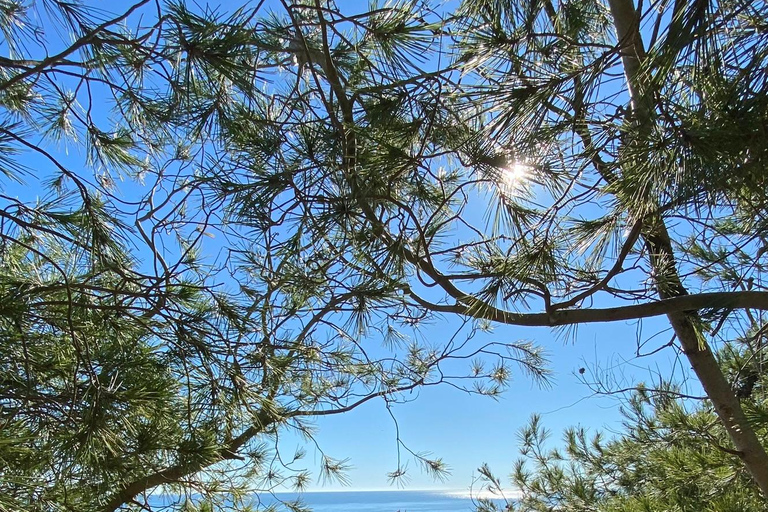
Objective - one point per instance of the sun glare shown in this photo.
(514, 179)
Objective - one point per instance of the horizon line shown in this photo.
(378, 489)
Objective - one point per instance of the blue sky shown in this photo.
(467, 431)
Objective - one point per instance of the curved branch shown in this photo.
(378, 394)
(634, 234)
(714, 300)
(263, 420)
(178, 471)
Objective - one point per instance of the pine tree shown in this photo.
(671, 453)
(245, 219)
(656, 116)
(187, 268)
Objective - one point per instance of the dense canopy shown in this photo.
(217, 222)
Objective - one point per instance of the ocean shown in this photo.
(380, 501)
(358, 501)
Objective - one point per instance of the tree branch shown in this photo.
(83, 41)
(178, 471)
(715, 300)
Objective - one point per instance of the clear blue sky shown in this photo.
(467, 431)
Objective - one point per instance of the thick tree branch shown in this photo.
(263, 420)
(684, 303)
(174, 473)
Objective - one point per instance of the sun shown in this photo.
(514, 179)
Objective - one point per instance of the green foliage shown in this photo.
(671, 454)
(201, 268)
(241, 220)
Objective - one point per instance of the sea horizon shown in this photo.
(386, 500)
(376, 500)
(452, 491)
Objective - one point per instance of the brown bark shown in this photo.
(664, 264)
(704, 364)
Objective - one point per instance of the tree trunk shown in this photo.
(664, 265)
(704, 364)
